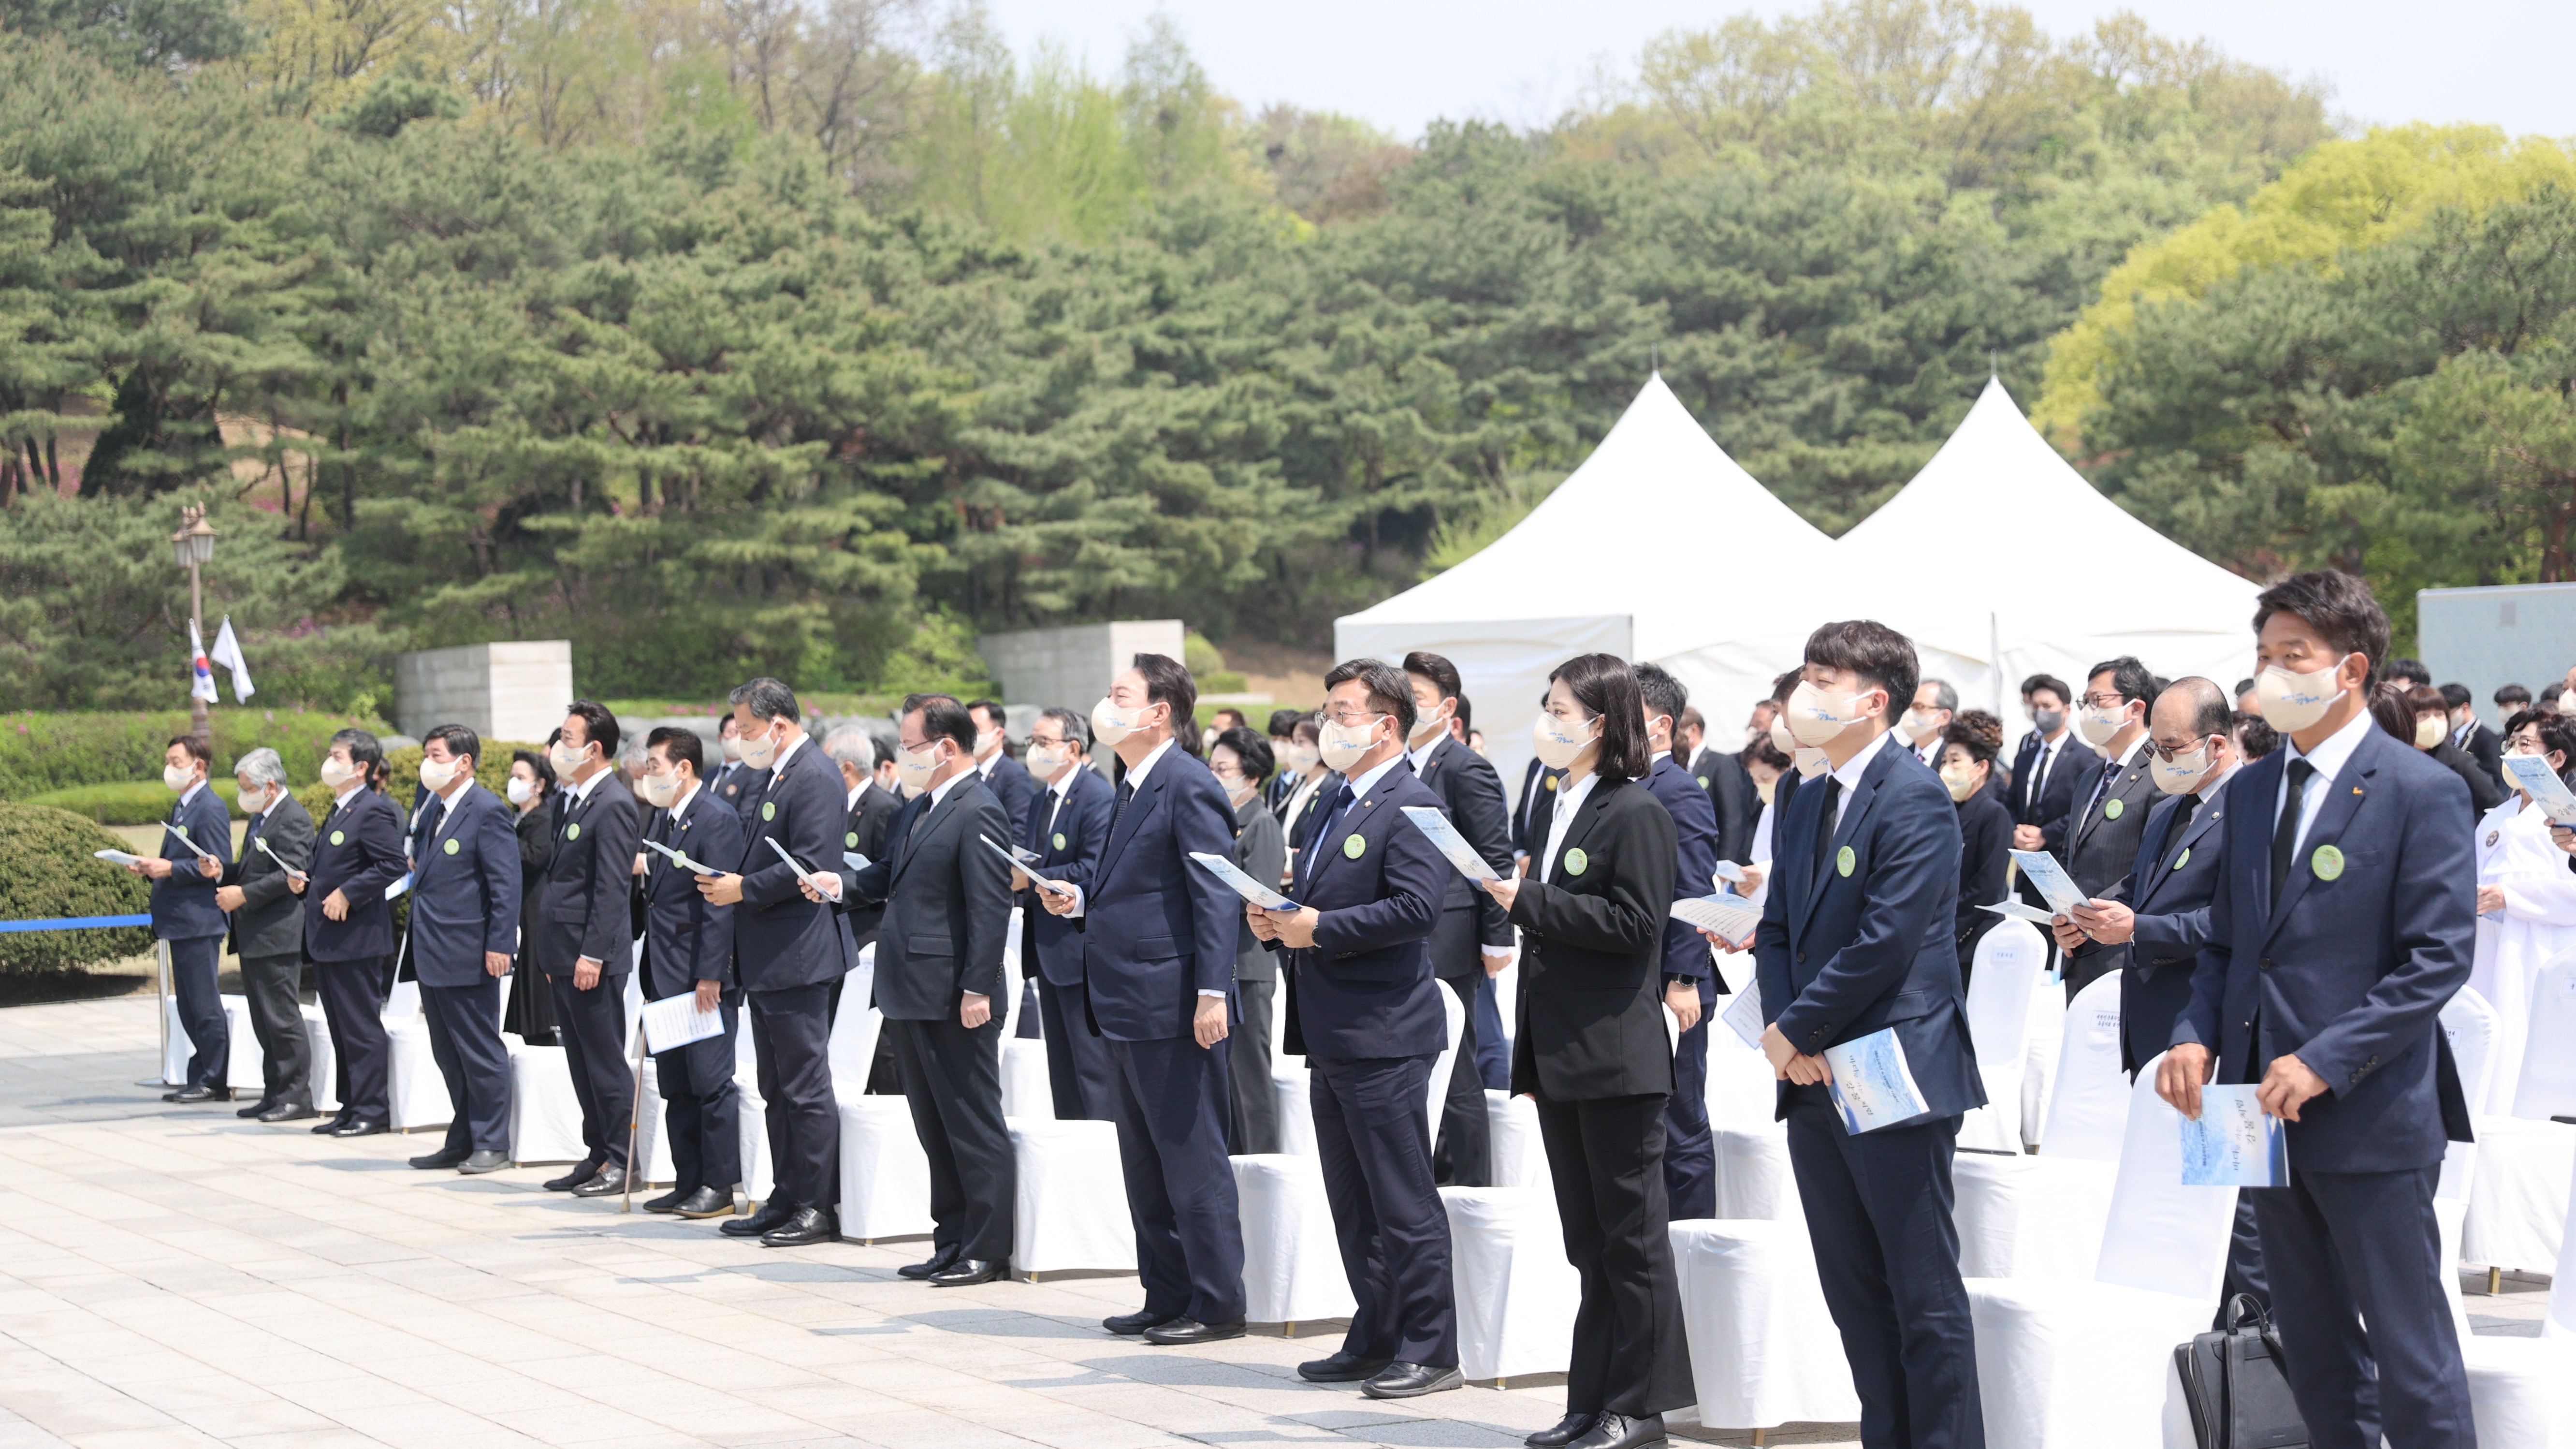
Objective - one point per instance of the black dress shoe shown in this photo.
(1342, 1368)
(667, 1202)
(288, 1112)
(706, 1202)
(1619, 1431)
(1412, 1381)
(967, 1272)
(808, 1227)
(442, 1159)
(1184, 1331)
(1128, 1325)
(483, 1162)
(1567, 1430)
(939, 1261)
(359, 1127)
(330, 1124)
(773, 1213)
(609, 1182)
(200, 1094)
(581, 1172)
(255, 1108)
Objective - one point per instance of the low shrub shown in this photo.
(46, 872)
(141, 802)
(45, 752)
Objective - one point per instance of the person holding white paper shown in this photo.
(1858, 939)
(1068, 826)
(688, 950)
(2526, 899)
(463, 924)
(268, 932)
(185, 916)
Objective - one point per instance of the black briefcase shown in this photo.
(2233, 1382)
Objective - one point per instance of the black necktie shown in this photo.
(1126, 792)
(2285, 831)
(430, 815)
(1825, 823)
(2102, 787)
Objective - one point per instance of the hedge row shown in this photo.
(46, 872)
(140, 802)
(45, 752)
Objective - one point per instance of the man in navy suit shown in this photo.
(1856, 939)
(688, 949)
(2050, 767)
(350, 939)
(1007, 778)
(1369, 1016)
(1068, 826)
(1159, 936)
(584, 936)
(464, 926)
(790, 946)
(1690, 980)
(185, 916)
(2343, 920)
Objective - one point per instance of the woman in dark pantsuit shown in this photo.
(1592, 1050)
(1977, 781)
(531, 1012)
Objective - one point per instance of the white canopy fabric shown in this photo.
(2001, 561)
(1659, 547)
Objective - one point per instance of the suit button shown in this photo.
(1802, 958)
(2267, 963)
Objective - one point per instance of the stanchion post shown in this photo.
(634, 1115)
(161, 958)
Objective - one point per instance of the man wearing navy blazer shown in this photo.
(791, 946)
(1007, 778)
(350, 938)
(186, 918)
(688, 950)
(1856, 939)
(1068, 826)
(1159, 937)
(1690, 979)
(584, 937)
(940, 980)
(2344, 918)
(2050, 767)
(464, 928)
(1368, 1013)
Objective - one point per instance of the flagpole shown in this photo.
(194, 544)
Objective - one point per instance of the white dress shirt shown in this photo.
(1134, 782)
(1569, 798)
(2332, 754)
(1849, 774)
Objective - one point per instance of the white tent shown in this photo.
(1659, 547)
(2002, 562)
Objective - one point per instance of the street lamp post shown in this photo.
(194, 546)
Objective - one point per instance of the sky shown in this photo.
(1403, 63)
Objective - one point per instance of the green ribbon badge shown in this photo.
(1059, 840)
(1576, 860)
(1703, 782)
(768, 809)
(2327, 862)
(339, 839)
(573, 831)
(851, 840)
(2112, 807)
(1353, 847)
(451, 846)
(2180, 859)
(1845, 861)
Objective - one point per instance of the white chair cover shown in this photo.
(2469, 1022)
(241, 1047)
(752, 1117)
(2030, 1217)
(852, 1049)
(1742, 1090)
(2090, 1363)
(2088, 1105)
(1754, 1180)
(1071, 1208)
(2047, 1039)
(2520, 1391)
(1292, 1264)
(1519, 1157)
(653, 1129)
(1292, 1079)
(2547, 1086)
(2517, 1215)
(416, 1094)
(326, 1067)
(2470, 1025)
(1516, 1293)
(1763, 1347)
(1026, 1092)
(175, 1047)
(2010, 960)
(402, 1002)
(885, 1176)
(545, 1116)
(1436, 1092)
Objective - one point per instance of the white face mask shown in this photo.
(2292, 702)
(1815, 716)
(1112, 724)
(567, 757)
(1781, 740)
(755, 753)
(1427, 728)
(2097, 726)
(1559, 742)
(2430, 731)
(176, 778)
(1301, 758)
(1044, 760)
(1238, 788)
(1344, 745)
(337, 772)
(2186, 772)
(1918, 726)
(987, 742)
(733, 747)
(437, 775)
(1959, 780)
(659, 790)
(522, 789)
(1810, 761)
(915, 767)
(252, 798)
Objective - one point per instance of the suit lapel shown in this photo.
(2344, 794)
(1147, 797)
(1361, 810)
(1579, 829)
(1863, 796)
(939, 817)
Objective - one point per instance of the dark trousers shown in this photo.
(1465, 1154)
(1374, 1141)
(269, 984)
(2244, 1262)
(1690, 1154)
(1878, 1211)
(353, 1003)
(791, 1040)
(1078, 1072)
(465, 1041)
(1171, 1107)
(701, 1108)
(201, 1009)
(1255, 1119)
(592, 1027)
(1605, 1157)
(2344, 1248)
(1493, 1046)
(953, 1078)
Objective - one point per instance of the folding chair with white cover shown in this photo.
(2042, 1216)
(2472, 1028)
(1026, 1092)
(2522, 1391)
(1754, 1181)
(1071, 1207)
(852, 1049)
(1763, 1347)
(1292, 1263)
(241, 1048)
(1519, 1157)
(653, 1130)
(1743, 1091)
(2063, 1364)
(416, 1092)
(2010, 962)
(1516, 1293)
(2517, 1212)
(752, 1119)
(1294, 1083)
(885, 1176)
(326, 1067)
(2039, 1073)
(545, 1115)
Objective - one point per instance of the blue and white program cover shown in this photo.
(1872, 1085)
(2233, 1143)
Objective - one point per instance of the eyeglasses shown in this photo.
(1350, 718)
(2168, 753)
(2106, 700)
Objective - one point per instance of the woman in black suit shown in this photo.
(1978, 781)
(531, 1012)
(1592, 1050)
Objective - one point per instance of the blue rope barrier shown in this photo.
(73, 923)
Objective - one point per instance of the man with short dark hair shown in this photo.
(727, 781)
(1723, 776)
(688, 950)
(349, 931)
(2408, 672)
(464, 929)
(1007, 778)
(1690, 981)
(1282, 732)
(1068, 826)
(2111, 816)
(185, 917)
(2343, 920)
(583, 939)
(2479, 743)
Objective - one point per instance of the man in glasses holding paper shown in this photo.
(688, 949)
